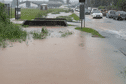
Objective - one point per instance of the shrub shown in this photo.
(3, 15)
(66, 33)
(41, 35)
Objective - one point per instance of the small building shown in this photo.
(43, 7)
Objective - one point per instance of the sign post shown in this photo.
(84, 15)
(82, 11)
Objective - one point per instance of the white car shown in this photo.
(94, 9)
(97, 14)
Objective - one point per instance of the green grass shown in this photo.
(65, 33)
(22, 25)
(68, 18)
(41, 35)
(75, 16)
(71, 25)
(27, 14)
(25, 26)
(92, 31)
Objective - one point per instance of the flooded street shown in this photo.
(106, 25)
(76, 59)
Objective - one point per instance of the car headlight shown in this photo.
(94, 15)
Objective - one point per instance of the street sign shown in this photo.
(81, 1)
(82, 11)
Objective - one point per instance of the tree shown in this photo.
(122, 4)
(3, 15)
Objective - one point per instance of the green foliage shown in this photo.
(101, 7)
(41, 35)
(11, 31)
(89, 30)
(44, 30)
(112, 7)
(8, 30)
(43, 13)
(66, 33)
(121, 4)
(26, 14)
(38, 35)
(3, 15)
(68, 18)
(75, 16)
(25, 26)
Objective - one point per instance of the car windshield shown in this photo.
(121, 12)
(112, 12)
(96, 11)
(86, 9)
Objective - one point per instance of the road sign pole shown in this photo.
(81, 23)
(82, 11)
(84, 14)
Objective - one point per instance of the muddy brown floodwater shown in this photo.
(76, 59)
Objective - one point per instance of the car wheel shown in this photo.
(117, 18)
(106, 16)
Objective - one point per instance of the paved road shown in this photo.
(107, 25)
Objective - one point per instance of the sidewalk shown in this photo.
(16, 22)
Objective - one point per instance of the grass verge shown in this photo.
(75, 16)
(92, 31)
